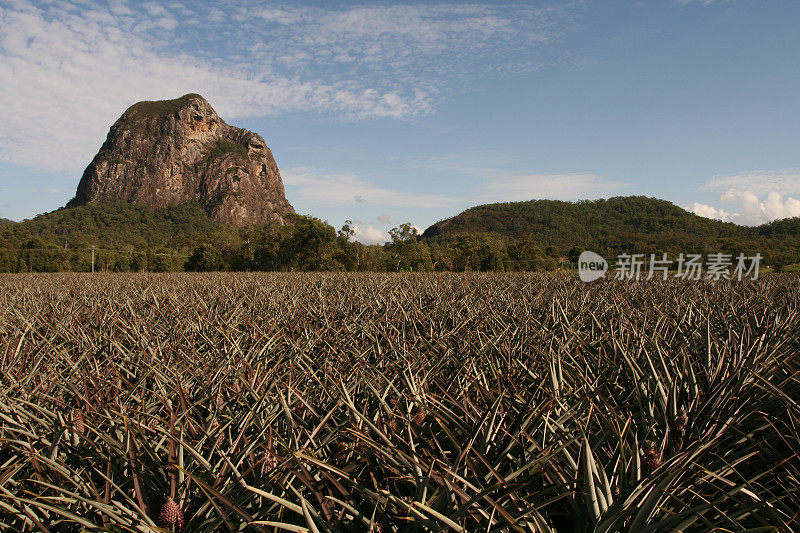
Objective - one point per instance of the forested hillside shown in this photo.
(633, 224)
(535, 235)
(124, 236)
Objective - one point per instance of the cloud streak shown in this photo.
(756, 197)
(308, 186)
(701, 2)
(567, 186)
(369, 235)
(783, 181)
(750, 209)
(494, 184)
(68, 69)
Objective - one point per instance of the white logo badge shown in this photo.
(591, 266)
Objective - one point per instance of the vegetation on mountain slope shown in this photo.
(536, 235)
(633, 224)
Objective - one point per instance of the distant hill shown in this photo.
(121, 225)
(5, 221)
(128, 237)
(621, 224)
(512, 236)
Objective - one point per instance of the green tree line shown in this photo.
(541, 235)
(128, 238)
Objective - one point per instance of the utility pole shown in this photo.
(93, 259)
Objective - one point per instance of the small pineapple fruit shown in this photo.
(652, 457)
(78, 424)
(171, 515)
(682, 419)
(267, 462)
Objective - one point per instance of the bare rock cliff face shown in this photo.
(172, 151)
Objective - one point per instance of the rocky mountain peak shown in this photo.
(172, 151)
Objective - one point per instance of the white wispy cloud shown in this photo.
(750, 209)
(69, 68)
(702, 2)
(756, 197)
(369, 235)
(495, 183)
(783, 181)
(308, 186)
(708, 211)
(567, 186)
(398, 38)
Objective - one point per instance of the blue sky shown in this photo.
(386, 112)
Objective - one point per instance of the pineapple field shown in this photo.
(310, 402)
